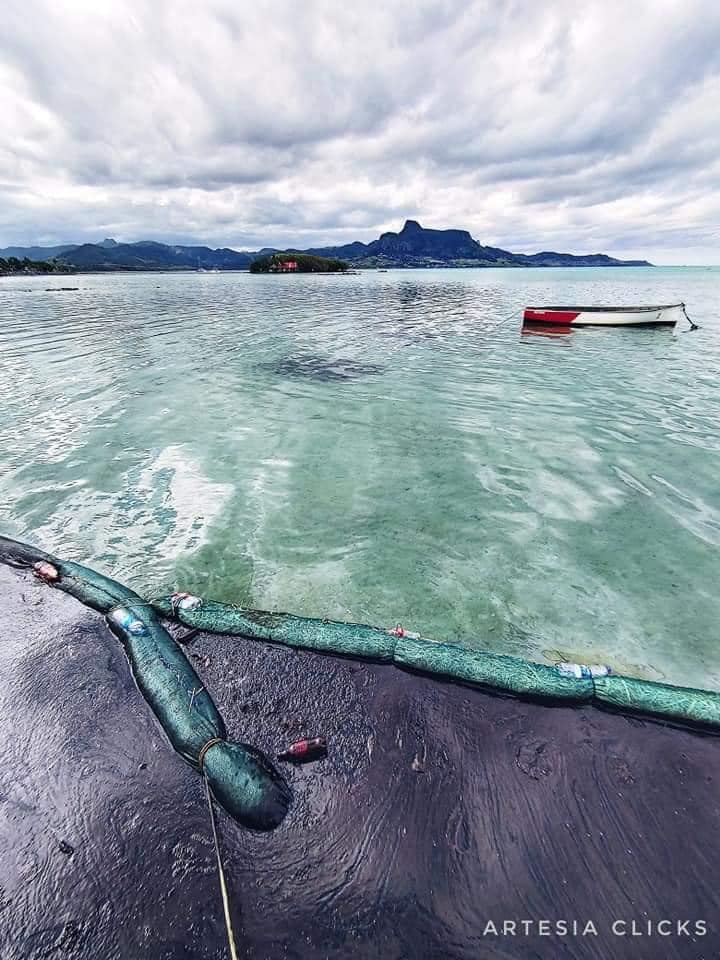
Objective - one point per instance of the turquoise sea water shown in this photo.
(382, 448)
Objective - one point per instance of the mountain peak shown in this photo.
(414, 241)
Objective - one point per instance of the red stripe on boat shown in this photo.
(562, 317)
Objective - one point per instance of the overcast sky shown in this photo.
(580, 126)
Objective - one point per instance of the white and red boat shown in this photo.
(662, 316)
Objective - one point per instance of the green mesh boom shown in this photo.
(241, 778)
(241, 775)
(509, 674)
(659, 699)
(450, 661)
(332, 636)
(91, 588)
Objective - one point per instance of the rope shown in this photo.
(221, 872)
(510, 316)
(693, 325)
(488, 333)
(210, 743)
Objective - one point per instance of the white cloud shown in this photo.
(581, 126)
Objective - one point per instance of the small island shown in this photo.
(292, 262)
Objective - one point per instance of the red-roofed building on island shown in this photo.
(284, 266)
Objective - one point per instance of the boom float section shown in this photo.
(242, 779)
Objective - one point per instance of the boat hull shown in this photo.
(661, 316)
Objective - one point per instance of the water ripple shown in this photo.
(383, 447)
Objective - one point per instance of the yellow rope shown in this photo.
(221, 874)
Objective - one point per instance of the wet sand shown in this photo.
(439, 810)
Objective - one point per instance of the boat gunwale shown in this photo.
(665, 306)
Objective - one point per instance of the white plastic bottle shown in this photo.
(582, 671)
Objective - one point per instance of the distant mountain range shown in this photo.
(414, 246)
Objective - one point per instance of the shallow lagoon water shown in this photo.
(381, 447)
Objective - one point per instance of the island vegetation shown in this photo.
(292, 262)
(11, 266)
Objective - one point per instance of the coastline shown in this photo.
(459, 817)
(352, 269)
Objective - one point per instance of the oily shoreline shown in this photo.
(438, 809)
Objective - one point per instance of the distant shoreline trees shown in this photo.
(14, 265)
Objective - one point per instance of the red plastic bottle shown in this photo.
(302, 751)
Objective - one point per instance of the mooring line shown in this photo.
(693, 325)
(510, 316)
(221, 874)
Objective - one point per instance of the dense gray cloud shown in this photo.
(582, 126)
